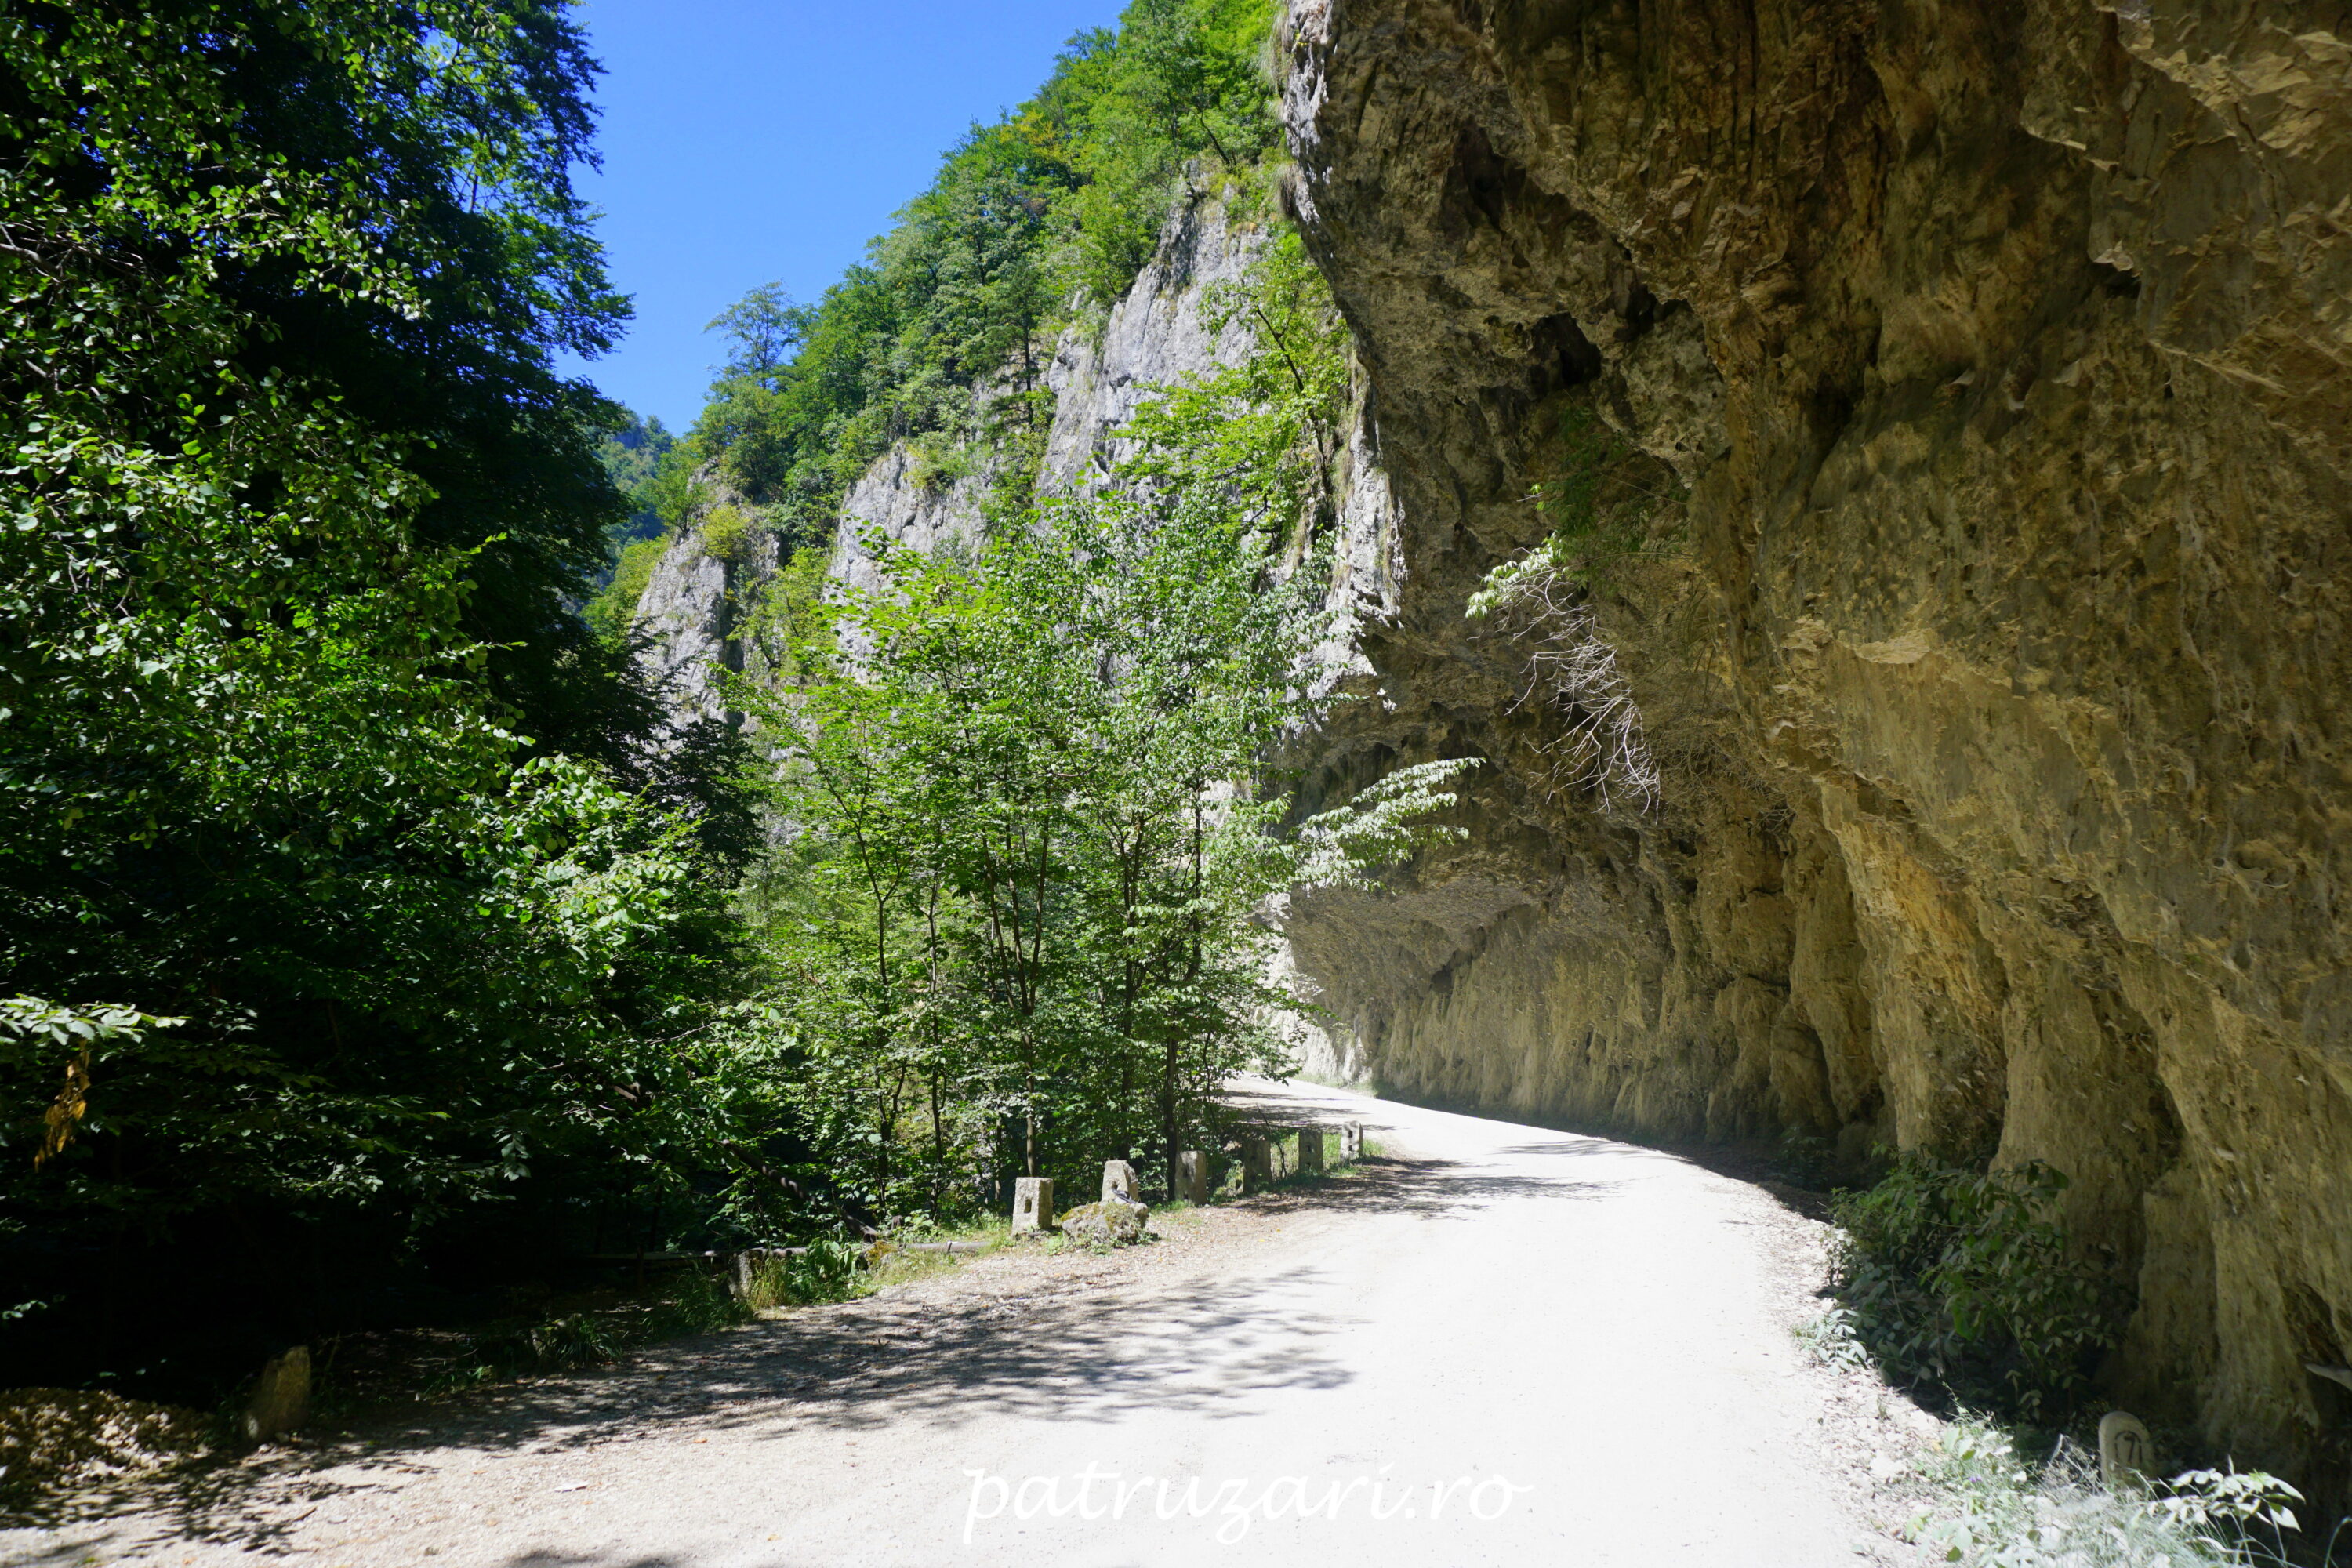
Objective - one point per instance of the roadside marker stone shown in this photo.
(1192, 1176)
(1351, 1142)
(281, 1398)
(1257, 1163)
(2126, 1452)
(1118, 1181)
(1033, 1203)
(1310, 1151)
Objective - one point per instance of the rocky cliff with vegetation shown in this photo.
(1913, 709)
(1098, 374)
(1868, 488)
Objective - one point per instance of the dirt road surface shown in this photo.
(1500, 1345)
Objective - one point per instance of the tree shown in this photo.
(1026, 871)
(298, 506)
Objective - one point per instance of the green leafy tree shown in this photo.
(941, 335)
(1018, 925)
(296, 508)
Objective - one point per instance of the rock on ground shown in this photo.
(1110, 1222)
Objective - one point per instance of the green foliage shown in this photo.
(726, 531)
(504, 971)
(614, 612)
(1131, 112)
(1017, 927)
(31, 1029)
(1261, 428)
(827, 1269)
(296, 510)
(634, 457)
(1963, 1280)
(1992, 1509)
(943, 331)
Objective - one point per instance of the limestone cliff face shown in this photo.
(1988, 637)
(1156, 335)
(692, 602)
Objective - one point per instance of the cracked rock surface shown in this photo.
(1992, 365)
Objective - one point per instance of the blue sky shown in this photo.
(748, 142)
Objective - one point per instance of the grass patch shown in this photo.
(826, 1271)
(1990, 1508)
(1982, 1503)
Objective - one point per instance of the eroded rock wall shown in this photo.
(1159, 334)
(1989, 634)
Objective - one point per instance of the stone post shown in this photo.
(1033, 1203)
(1310, 1151)
(1257, 1164)
(2126, 1453)
(1192, 1176)
(1351, 1142)
(1118, 1181)
(281, 1399)
(739, 1275)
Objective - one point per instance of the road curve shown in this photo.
(1508, 1346)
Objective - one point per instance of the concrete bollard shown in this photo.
(1192, 1176)
(1351, 1142)
(1310, 1151)
(2126, 1452)
(281, 1399)
(1118, 1181)
(739, 1269)
(1033, 1203)
(1257, 1164)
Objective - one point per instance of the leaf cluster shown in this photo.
(1964, 1280)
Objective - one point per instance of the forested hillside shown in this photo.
(1008, 917)
(376, 936)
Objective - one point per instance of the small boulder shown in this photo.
(281, 1397)
(1111, 1223)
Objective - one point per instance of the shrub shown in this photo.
(827, 1271)
(1997, 1509)
(613, 611)
(725, 531)
(1964, 1282)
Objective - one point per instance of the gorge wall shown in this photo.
(1985, 373)
(1991, 367)
(1156, 335)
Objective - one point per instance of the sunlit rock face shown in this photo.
(693, 603)
(689, 613)
(1988, 634)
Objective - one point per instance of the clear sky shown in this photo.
(748, 142)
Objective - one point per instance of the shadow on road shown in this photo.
(1419, 1187)
(1067, 1350)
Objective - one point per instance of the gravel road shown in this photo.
(1500, 1345)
